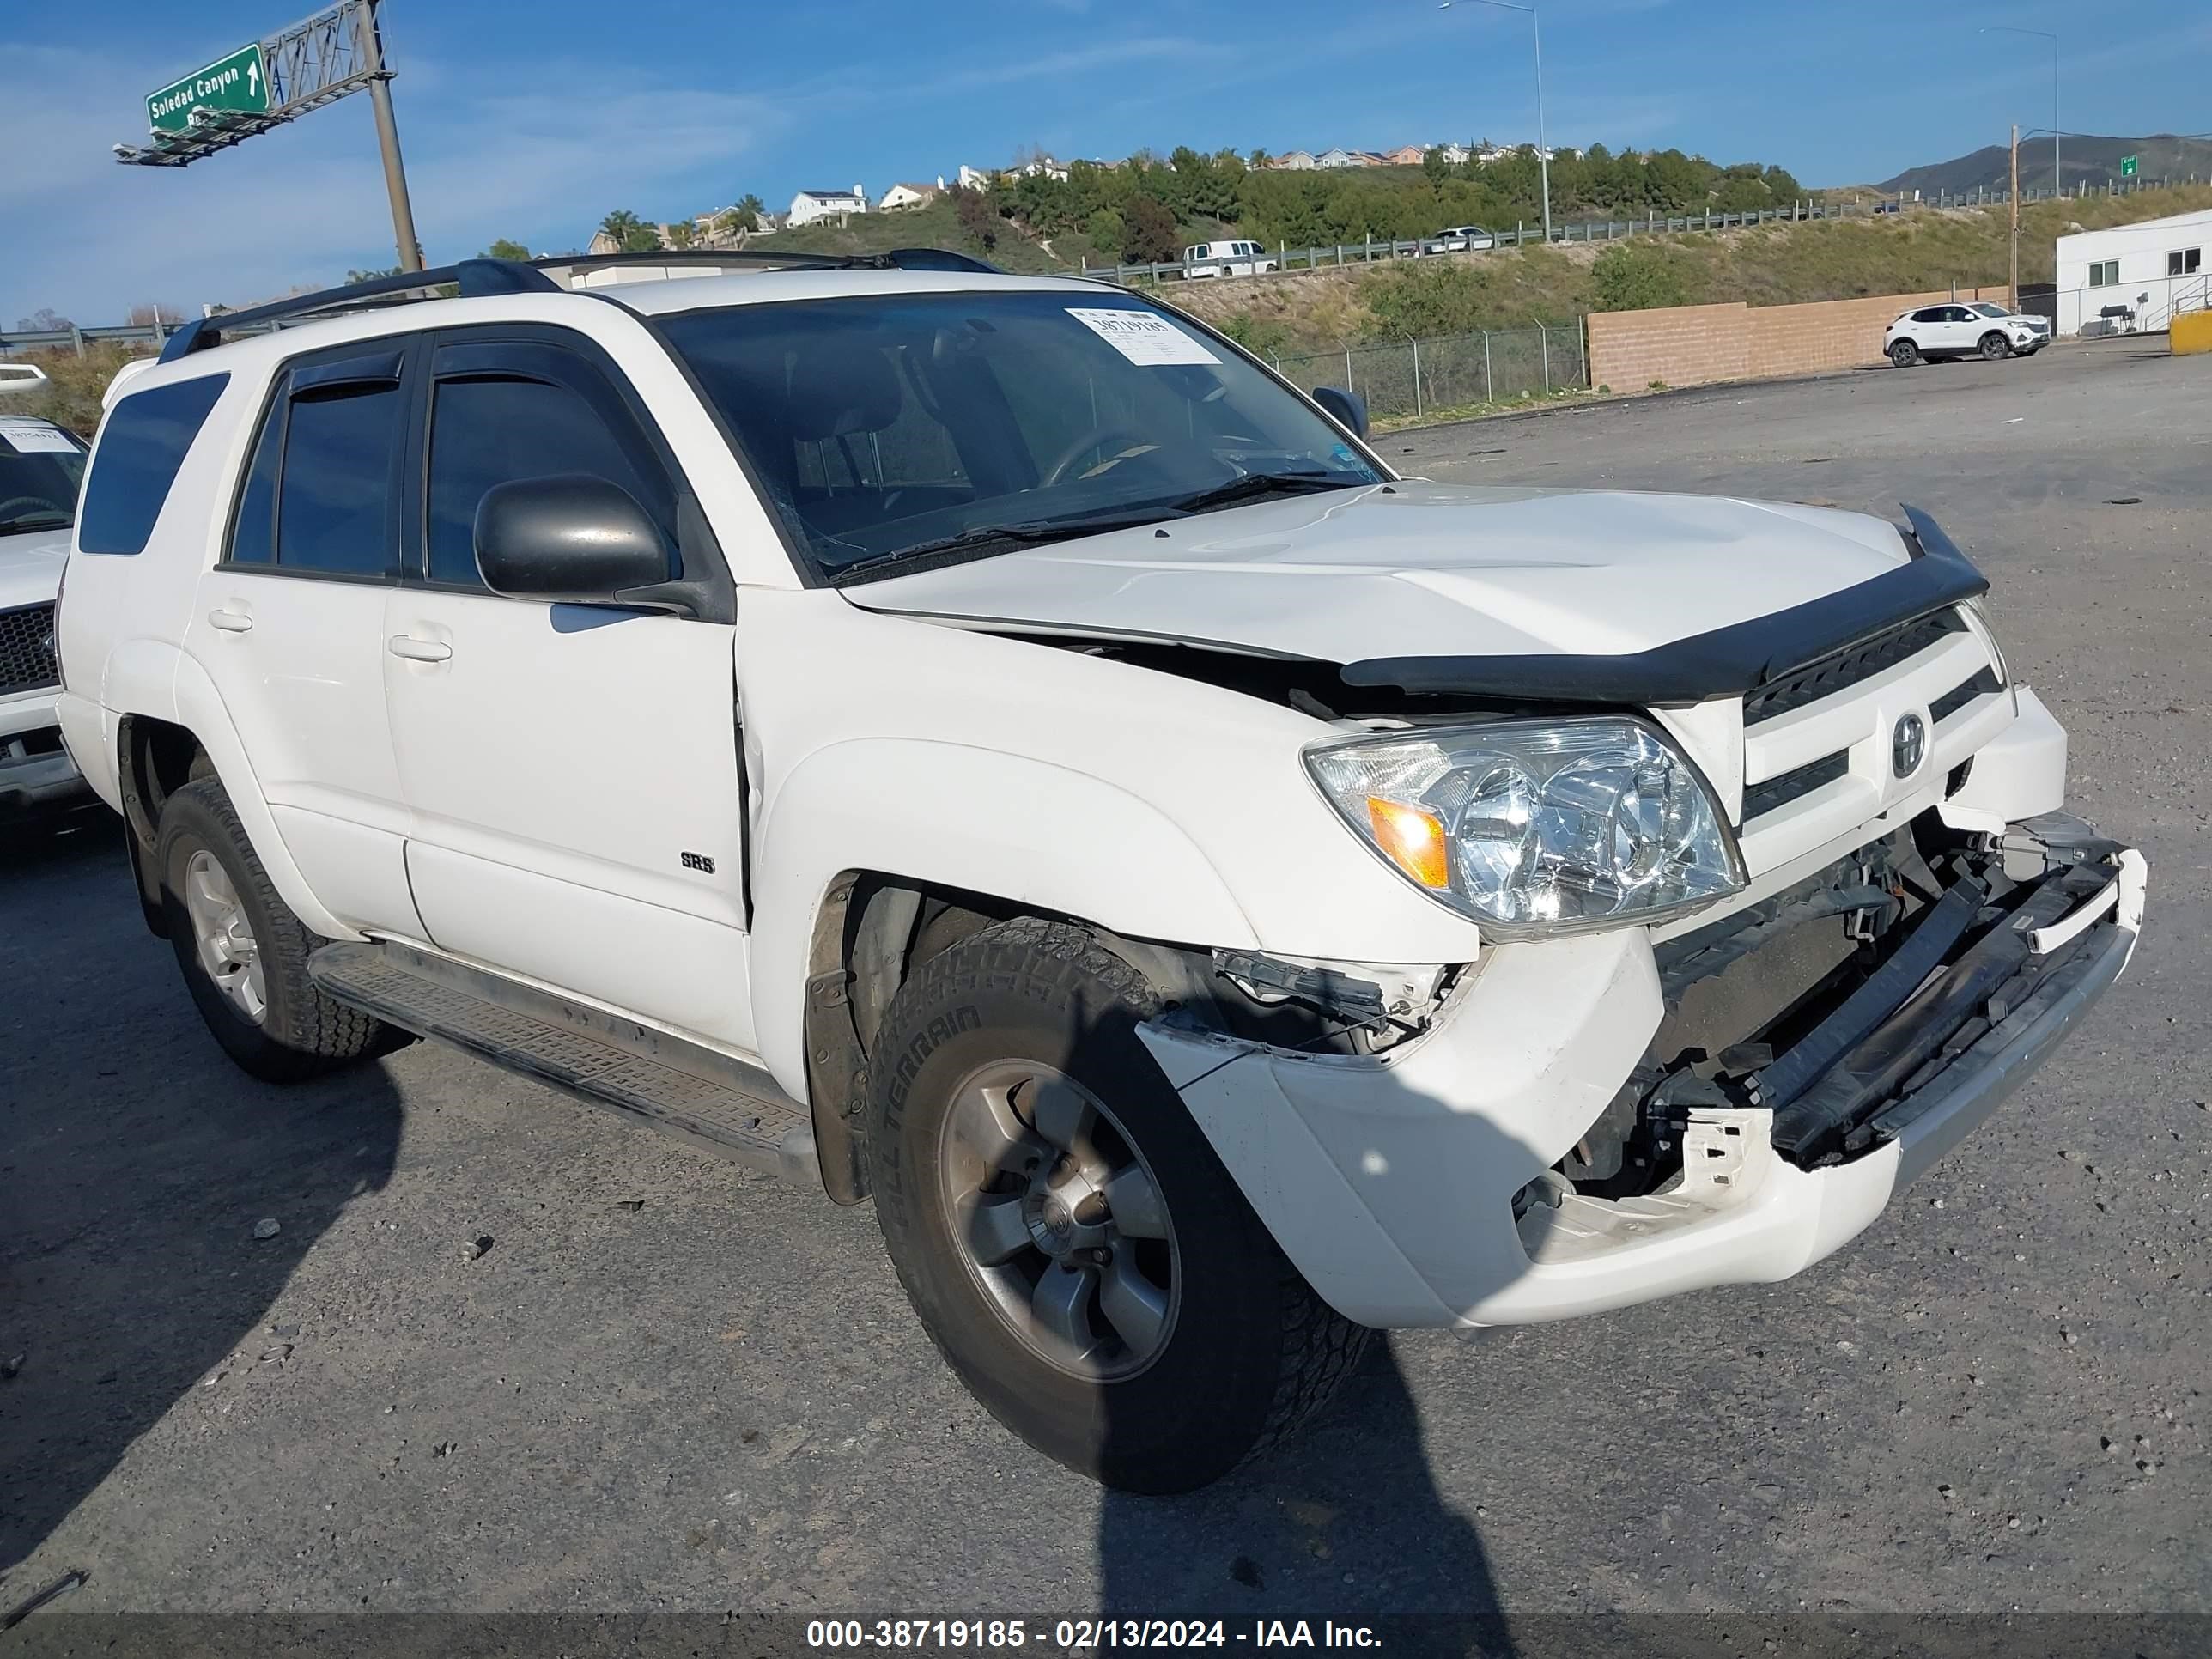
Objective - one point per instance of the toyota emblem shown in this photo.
(1906, 744)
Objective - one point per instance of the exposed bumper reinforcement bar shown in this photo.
(1389, 1180)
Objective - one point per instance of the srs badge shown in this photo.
(1906, 744)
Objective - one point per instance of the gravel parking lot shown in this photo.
(668, 1385)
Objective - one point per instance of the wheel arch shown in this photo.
(848, 895)
(195, 729)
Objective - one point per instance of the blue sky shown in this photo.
(532, 120)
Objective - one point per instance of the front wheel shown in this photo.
(1905, 354)
(1995, 346)
(1066, 1231)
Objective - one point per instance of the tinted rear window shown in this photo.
(137, 459)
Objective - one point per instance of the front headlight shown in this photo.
(1536, 827)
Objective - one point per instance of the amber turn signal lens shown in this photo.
(1413, 837)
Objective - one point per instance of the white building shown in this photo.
(2150, 271)
(910, 196)
(1297, 160)
(812, 204)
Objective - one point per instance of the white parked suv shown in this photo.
(1966, 328)
(41, 469)
(988, 745)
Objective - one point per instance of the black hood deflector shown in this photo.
(1727, 662)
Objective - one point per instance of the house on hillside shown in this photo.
(1342, 158)
(1405, 155)
(902, 196)
(1455, 154)
(1297, 160)
(975, 178)
(602, 243)
(812, 204)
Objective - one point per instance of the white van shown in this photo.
(1225, 259)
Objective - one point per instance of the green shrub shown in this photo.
(1637, 277)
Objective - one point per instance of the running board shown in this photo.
(682, 1089)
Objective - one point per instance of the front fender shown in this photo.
(1044, 836)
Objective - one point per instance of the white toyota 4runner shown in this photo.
(988, 745)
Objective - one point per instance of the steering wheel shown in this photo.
(1096, 438)
(8, 506)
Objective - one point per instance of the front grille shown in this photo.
(1845, 669)
(1759, 798)
(27, 649)
(1959, 696)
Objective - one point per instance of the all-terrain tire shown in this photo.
(1251, 1352)
(301, 1033)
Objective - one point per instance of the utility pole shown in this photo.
(1543, 148)
(387, 136)
(2012, 302)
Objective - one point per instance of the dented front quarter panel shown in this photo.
(1151, 805)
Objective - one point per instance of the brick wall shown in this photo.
(1696, 345)
(1678, 345)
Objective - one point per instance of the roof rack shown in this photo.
(897, 259)
(476, 277)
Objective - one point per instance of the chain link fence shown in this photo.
(1414, 378)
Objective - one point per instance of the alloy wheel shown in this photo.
(229, 953)
(1059, 1220)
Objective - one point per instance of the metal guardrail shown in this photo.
(75, 339)
(1287, 259)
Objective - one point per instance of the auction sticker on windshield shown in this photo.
(34, 437)
(1143, 337)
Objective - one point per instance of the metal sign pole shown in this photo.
(387, 137)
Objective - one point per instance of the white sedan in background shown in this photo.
(1460, 239)
(1963, 328)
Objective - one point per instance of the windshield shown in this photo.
(886, 428)
(41, 468)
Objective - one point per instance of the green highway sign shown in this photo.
(2128, 165)
(240, 81)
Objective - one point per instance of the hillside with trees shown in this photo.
(1145, 208)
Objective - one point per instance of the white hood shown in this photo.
(1422, 569)
(31, 566)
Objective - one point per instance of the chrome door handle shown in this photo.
(231, 622)
(414, 650)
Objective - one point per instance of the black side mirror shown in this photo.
(1349, 408)
(572, 539)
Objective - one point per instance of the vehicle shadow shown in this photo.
(135, 1163)
(1345, 1524)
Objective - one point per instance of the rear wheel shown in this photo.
(1994, 346)
(1904, 354)
(1066, 1231)
(243, 953)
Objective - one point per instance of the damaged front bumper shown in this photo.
(1390, 1180)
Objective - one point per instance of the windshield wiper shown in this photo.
(1253, 485)
(988, 538)
(34, 521)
